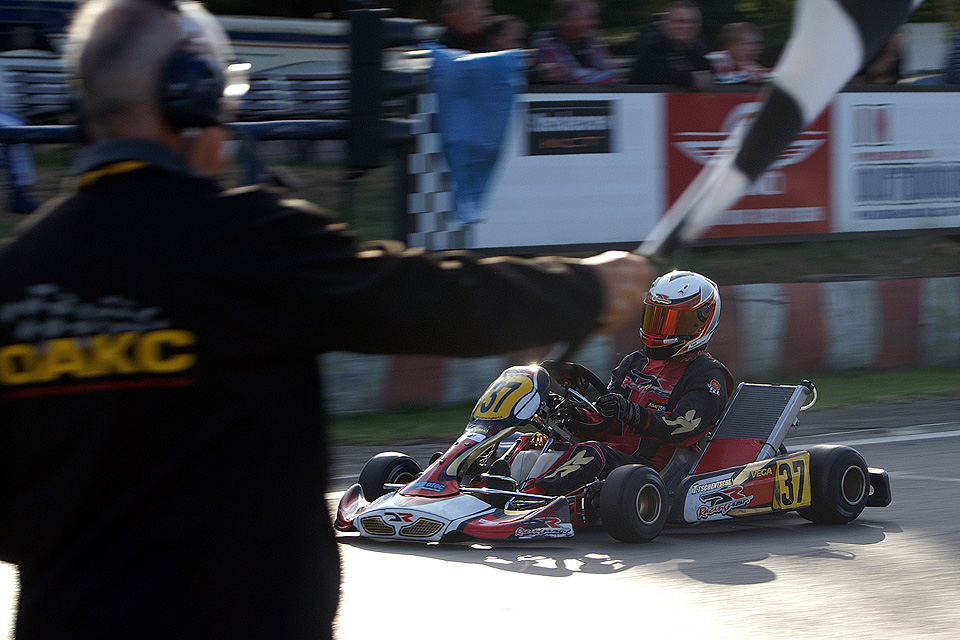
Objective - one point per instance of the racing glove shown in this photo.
(616, 407)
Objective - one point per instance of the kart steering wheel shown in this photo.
(574, 376)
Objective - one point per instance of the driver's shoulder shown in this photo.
(705, 365)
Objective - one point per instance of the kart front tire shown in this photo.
(389, 467)
(840, 485)
(633, 503)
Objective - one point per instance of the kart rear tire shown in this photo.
(389, 467)
(840, 485)
(633, 503)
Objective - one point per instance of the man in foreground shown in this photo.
(161, 422)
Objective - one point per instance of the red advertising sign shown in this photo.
(792, 197)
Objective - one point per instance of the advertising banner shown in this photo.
(569, 127)
(792, 197)
(899, 161)
(578, 168)
(587, 168)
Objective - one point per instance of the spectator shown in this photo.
(465, 21)
(503, 33)
(19, 165)
(885, 66)
(736, 61)
(671, 51)
(162, 435)
(571, 53)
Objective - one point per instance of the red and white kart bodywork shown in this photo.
(477, 489)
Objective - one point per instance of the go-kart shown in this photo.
(479, 488)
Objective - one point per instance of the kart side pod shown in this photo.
(744, 470)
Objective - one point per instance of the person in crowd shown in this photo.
(465, 21)
(18, 162)
(504, 32)
(885, 66)
(671, 52)
(735, 62)
(164, 458)
(662, 399)
(571, 52)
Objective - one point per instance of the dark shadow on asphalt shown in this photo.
(725, 553)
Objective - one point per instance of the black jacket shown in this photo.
(659, 61)
(162, 455)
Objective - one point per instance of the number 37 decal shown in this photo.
(792, 490)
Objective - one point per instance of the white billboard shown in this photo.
(578, 168)
(897, 161)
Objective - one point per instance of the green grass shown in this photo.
(860, 387)
(401, 425)
(868, 386)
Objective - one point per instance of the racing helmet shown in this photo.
(680, 313)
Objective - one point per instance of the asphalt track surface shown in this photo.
(892, 573)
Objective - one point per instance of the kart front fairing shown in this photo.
(448, 501)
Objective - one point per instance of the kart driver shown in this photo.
(661, 399)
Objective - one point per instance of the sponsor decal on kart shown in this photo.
(760, 473)
(710, 486)
(429, 486)
(544, 528)
(719, 503)
(397, 516)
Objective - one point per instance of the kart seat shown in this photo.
(753, 426)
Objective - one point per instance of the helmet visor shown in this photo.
(662, 322)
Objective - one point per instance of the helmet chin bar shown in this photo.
(669, 348)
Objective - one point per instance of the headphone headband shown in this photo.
(193, 80)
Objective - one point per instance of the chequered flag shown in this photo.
(830, 42)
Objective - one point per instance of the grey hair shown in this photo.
(115, 53)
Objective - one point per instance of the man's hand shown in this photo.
(625, 279)
(615, 407)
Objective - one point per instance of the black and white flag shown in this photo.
(831, 40)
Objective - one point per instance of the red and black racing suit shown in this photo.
(677, 401)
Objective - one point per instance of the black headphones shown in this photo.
(191, 85)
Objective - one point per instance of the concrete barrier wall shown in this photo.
(766, 330)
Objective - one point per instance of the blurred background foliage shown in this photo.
(620, 19)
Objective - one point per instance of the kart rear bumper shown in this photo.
(880, 495)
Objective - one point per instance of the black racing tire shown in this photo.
(840, 485)
(633, 503)
(389, 467)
